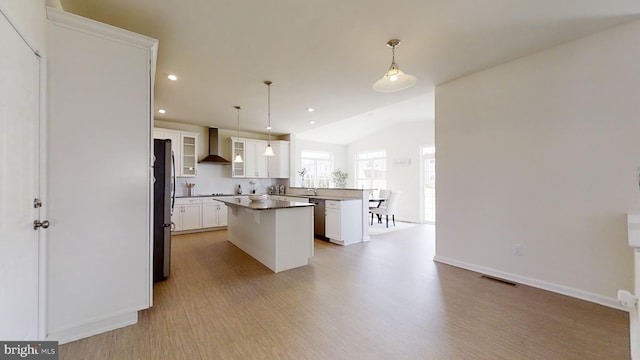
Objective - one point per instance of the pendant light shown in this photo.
(269, 150)
(238, 158)
(394, 79)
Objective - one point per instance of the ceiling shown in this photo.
(327, 54)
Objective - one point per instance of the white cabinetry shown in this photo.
(278, 165)
(187, 214)
(289, 198)
(255, 165)
(196, 213)
(105, 251)
(255, 161)
(159, 133)
(189, 155)
(184, 146)
(343, 221)
(214, 213)
(238, 147)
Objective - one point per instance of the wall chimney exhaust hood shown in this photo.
(214, 154)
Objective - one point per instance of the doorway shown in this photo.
(428, 184)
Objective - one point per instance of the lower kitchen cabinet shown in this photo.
(187, 214)
(343, 221)
(214, 213)
(197, 213)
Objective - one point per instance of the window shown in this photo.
(372, 170)
(319, 166)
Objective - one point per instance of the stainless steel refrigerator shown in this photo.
(163, 202)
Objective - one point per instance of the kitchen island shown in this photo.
(277, 233)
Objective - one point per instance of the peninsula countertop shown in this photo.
(267, 204)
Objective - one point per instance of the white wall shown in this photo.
(543, 152)
(401, 141)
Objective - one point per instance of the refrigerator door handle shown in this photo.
(173, 173)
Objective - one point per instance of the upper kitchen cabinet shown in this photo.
(184, 146)
(238, 147)
(161, 134)
(278, 165)
(189, 154)
(255, 165)
(100, 99)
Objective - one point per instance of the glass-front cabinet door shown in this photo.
(238, 147)
(189, 157)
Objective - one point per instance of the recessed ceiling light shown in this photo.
(312, 122)
(162, 111)
(172, 77)
(268, 127)
(310, 109)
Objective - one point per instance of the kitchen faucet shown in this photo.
(313, 191)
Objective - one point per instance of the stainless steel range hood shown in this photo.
(214, 151)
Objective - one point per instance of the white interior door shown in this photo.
(19, 183)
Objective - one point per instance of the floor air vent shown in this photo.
(502, 281)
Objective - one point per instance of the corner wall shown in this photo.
(543, 152)
(29, 18)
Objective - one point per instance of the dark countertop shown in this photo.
(358, 189)
(326, 197)
(267, 204)
(202, 195)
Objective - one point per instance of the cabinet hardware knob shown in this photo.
(37, 224)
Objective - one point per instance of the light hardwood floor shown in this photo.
(386, 299)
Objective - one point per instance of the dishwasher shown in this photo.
(318, 216)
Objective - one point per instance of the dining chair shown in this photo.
(388, 209)
(383, 195)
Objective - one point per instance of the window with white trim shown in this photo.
(319, 165)
(371, 168)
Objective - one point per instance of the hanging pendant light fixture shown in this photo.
(269, 150)
(238, 158)
(394, 79)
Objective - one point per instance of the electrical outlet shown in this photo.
(517, 250)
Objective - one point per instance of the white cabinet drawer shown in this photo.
(333, 204)
(289, 198)
(187, 201)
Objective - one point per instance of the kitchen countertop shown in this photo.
(322, 197)
(202, 195)
(268, 204)
(326, 197)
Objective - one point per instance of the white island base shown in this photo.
(280, 238)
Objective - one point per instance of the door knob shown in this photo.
(37, 224)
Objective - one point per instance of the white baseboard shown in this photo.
(564, 290)
(94, 328)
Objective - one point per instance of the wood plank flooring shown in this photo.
(386, 299)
